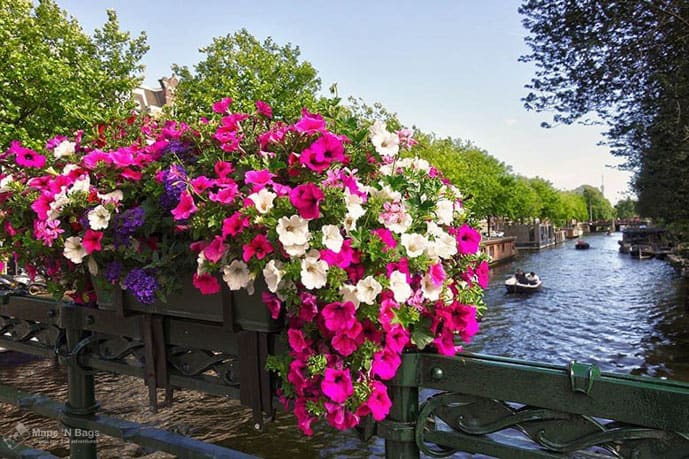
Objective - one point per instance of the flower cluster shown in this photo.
(365, 250)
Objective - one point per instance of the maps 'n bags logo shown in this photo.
(20, 434)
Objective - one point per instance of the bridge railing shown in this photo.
(515, 409)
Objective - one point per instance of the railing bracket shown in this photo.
(582, 375)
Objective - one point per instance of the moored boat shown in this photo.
(641, 251)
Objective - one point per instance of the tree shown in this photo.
(623, 63)
(599, 208)
(54, 78)
(241, 67)
(626, 208)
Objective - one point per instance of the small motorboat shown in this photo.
(529, 283)
(582, 245)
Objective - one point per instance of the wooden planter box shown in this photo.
(244, 311)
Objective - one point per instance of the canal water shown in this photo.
(596, 306)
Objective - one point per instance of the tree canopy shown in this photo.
(241, 67)
(623, 63)
(54, 78)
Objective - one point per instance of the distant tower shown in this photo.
(602, 184)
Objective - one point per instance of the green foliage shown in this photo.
(626, 208)
(243, 68)
(599, 208)
(54, 78)
(624, 64)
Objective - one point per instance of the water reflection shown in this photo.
(596, 306)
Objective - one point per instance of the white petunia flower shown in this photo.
(349, 222)
(59, 201)
(263, 200)
(367, 289)
(399, 286)
(429, 289)
(314, 272)
(273, 274)
(201, 263)
(388, 194)
(83, 184)
(296, 250)
(421, 164)
(332, 238)
(99, 218)
(444, 210)
(66, 148)
(5, 183)
(236, 275)
(114, 196)
(293, 230)
(348, 293)
(386, 143)
(414, 243)
(445, 246)
(74, 250)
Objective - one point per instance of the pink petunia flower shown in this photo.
(207, 284)
(437, 273)
(297, 342)
(273, 303)
(468, 239)
(234, 224)
(226, 195)
(259, 179)
(385, 364)
(92, 241)
(397, 338)
(339, 316)
(215, 250)
(387, 237)
(310, 123)
(379, 402)
(26, 157)
(264, 109)
(322, 153)
(258, 247)
(337, 385)
(185, 208)
(339, 417)
(223, 169)
(222, 105)
(306, 199)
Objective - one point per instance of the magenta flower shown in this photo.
(385, 364)
(92, 241)
(92, 159)
(264, 109)
(309, 306)
(273, 304)
(297, 342)
(397, 338)
(483, 274)
(437, 274)
(337, 385)
(201, 184)
(226, 195)
(310, 123)
(215, 250)
(45, 231)
(445, 343)
(387, 237)
(26, 157)
(379, 402)
(322, 153)
(339, 316)
(259, 179)
(343, 344)
(223, 169)
(222, 105)
(468, 239)
(339, 417)
(304, 419)
(234, 224)
(207, 284)
(306, 198)
(185, 208)
(258, 247)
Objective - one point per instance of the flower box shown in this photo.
(246, 312)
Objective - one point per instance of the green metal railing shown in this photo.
(441, 405)
(514, 409)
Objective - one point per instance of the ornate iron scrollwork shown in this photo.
(548, 430)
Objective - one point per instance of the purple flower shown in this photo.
(143, 284)
(175, 182)
(183, 151)
(113, 271)
(127, 223)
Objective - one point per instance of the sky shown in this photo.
(445, 66)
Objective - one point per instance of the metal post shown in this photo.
(81, 402)
(400, 426)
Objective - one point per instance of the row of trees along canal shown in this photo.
(623, 64)
(42, 44)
